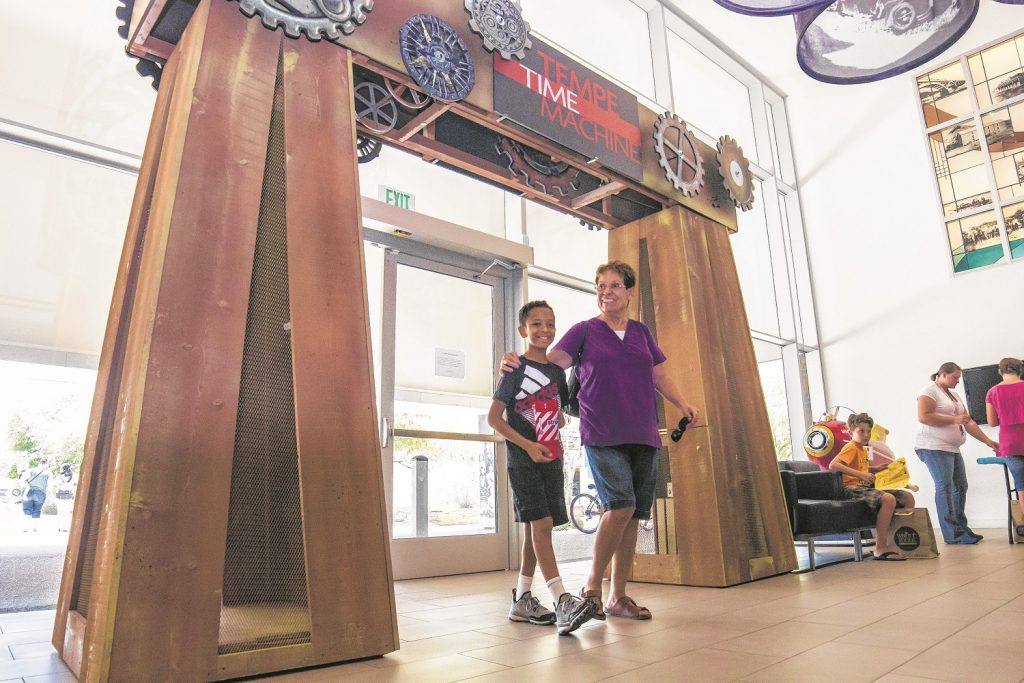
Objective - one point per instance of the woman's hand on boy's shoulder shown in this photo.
(509, 362)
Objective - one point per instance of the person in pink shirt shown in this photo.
(1004, 408)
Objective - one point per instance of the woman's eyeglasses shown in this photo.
(613, 286)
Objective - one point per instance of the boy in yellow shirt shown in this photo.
(859, 481)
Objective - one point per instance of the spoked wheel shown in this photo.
(585, 513)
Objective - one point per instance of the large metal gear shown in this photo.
(735, 171)
(330, 19)
(539, 171)
(436, 57)
(500, 23)
(678, 154)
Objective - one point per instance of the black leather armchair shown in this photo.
(817, 507)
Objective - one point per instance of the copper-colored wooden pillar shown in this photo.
(726, 522)
(230, 518)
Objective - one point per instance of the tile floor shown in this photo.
(956, 618)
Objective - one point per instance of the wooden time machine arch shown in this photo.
(231, 517)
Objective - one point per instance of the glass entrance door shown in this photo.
(441, 329)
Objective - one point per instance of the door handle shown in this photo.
(385, 432)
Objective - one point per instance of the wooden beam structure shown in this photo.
(231, 487)
(725, 522)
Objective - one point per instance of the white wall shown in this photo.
(889, 309)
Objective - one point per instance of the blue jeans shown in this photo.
(950, 477)
(625, 476)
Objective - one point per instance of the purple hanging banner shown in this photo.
(858, 41)
(770, 8)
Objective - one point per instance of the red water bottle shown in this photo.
(545, 424)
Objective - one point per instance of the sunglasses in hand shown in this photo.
(677, 433)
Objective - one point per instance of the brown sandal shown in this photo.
(595, 599)
(627, 608)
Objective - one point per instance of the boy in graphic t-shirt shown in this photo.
(531, 397)
(859, 482)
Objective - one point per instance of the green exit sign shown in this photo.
(390, 195)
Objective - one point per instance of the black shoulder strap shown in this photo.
(579, 351)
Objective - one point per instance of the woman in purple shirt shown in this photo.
(619, 371)
(1004, 408)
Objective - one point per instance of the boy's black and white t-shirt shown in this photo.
(531, 381)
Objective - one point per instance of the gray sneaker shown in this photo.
(571, 613)
(528, 608)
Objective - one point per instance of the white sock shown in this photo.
(524, 585)
(556, 588)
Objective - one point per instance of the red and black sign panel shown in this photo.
(565, 101)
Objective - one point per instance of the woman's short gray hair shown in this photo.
(624, 270)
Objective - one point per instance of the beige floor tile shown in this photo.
(951, 604)
(66, 677)
(27, 650)
(577, 668)
(1016, 605)
(968, 659)
(18, 637)
(516, 631)
(853, 613)
(900, 678)
(784, 640)
(538, 649)
(705, 664)
(904, 633)
(18, 622)
(666, 644)
(441, 646)
(35, 666)
(836, 662)
(448, 668)
(1006, 626)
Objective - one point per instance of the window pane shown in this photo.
(773, 384)
(437, 191)
(443, 488)
(616, 38)
(1004, 134)
(431, 320)
(65, 223)
(944, 94)
(974, 241)
(708, 97)
(960, 168)
(71, 75)
(998, 73)
(751, 249)
(560, 243)
(1013, 216)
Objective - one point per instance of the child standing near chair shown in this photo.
(859, 480)
(531, 397)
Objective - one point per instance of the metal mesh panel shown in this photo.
(264, 597)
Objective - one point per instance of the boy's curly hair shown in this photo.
(860, 419)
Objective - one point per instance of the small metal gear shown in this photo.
(368, 147)
(375, 108)
(678, 154)
(735, 171)
(330, 19)
(539, 170)
(500, 23)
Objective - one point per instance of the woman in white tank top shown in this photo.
(945, 425)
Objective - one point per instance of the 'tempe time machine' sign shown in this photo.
(565, 101)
